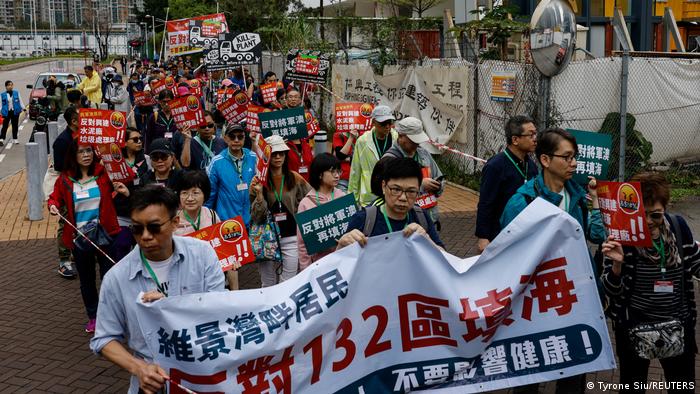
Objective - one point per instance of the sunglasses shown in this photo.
(278, 153)
(208, 126)
(655, 216)
(386, 123)
(159, 156)
(136, 140)
(153, 228)
(236, 137)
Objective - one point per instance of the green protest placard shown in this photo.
(593, 155)
(289, 124)
(321, 227)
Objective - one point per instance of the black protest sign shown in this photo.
(234, 50)
(204, 35)
(305, 65)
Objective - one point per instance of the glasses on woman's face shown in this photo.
(153, 228)
(656, 216)
(195, 194)
(397, 191)
(85, 151)
(159, 156)
(277, 154)
(334, 171)
(135, 140)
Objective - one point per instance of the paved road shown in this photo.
(12, 155)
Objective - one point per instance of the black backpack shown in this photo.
(371, 219)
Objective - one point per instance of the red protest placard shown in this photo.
(195, 87)
(264, 152)
(353, 116)
(170, 84)
(157, 86)
(252, 121)
(187, 111)
(143, 99)
(623, 212)
(312, 125)
(307, 64)
(269, 92)
(101, 126)
(230, 241)
(114, 162)
(235, 109)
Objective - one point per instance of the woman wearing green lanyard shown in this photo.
(85, 190)
(653, 287)
(324, 176)
(279, 200)
(135, 157)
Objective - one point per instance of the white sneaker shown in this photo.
(2, 142)
(15, 141)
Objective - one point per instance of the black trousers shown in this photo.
(11, 117)
(634, 370)
(85, 263)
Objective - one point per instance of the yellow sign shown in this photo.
(502, 86)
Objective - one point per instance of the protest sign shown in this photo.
(289, 124)
(312, 125)
(321, 227)
(170, 84)
(230, 241)
(115, 163)
(187, 111)
(253, 119)
(234, 50)
(195, 87)
(235, 109)
(353, 116)
(269, 92)
(593, 155)
(502, 86)
(158, 86)
(264, 151)
(362, 320)
(101, 126)
(623, 214)
(143, 99)
(179, 42)
(204, 34)
(305, 65)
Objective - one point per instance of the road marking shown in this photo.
(21, 127)
(2, 157)
(9, 145)
(26, 119)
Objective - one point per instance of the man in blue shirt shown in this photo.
(503, 175)
(162, 265)
(401, 182)
(195, 153)
(12, 106)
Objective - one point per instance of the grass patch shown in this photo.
(5, 62)
(459, 170)
(685, 182)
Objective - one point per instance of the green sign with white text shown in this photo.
(289, 124)
(321, 227)
(593, 155)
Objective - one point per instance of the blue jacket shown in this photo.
(594, 233)
(225, 197)
(16, 103)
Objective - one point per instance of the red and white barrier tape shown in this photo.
(455, 151)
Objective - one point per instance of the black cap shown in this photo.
(233, 128)
(161, 145)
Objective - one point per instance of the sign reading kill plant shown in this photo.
(230, 241)
(305, 65)
(101, 126)
(289, 124)
(234, 50)
(204, 33)
(593, 155)
(321, 227)
(187, 111)
(623, 212)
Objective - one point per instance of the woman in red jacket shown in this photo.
(85, 189)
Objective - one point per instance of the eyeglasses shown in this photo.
(334, 171)
(656, 216)
(136, 140)
(386, 123)
(193, 194)
(528, 135)
(278, 153)
(236, 136)
(85, 151)
(159, 156)
(153, 228)
(208, 126)
(396, 191)
(567, 158)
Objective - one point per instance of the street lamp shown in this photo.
(153, 20)
(144, 25)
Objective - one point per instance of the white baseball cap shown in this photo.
(276, 143)
(382, 113)
(413, 129)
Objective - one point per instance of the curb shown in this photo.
(466, 189)
(15, 66)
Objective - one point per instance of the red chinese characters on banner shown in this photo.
(306, 64)
(158, 86)
(421, 322)
(252, 120)
(182, 379)
(269, 92)
(235, 109)
(427, 200)
(495, 310)
(187, 111)
(256, 375)
(623, 212)
(179, 32)
(101, 126)
(230, 241)
(312, 125)
(143, 99)
(550, 287)
(115, 165)
(264, 152)
(353, 116)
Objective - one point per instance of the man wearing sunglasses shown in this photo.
(369, 148)
(230, 174)
(197, 152)
(160, 266)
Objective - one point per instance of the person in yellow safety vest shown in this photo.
(91, 86)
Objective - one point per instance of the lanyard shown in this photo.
(567, 200)
(207, 149)
(662, 252)
(82, 183)
(238, 163)
(189, 219)
(376, 142)
(278, 196)
(318, 202)
(516, 166)
(161, 288)
(386, 219)
(299, 153)
(165, 123)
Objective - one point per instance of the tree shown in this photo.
(416, 6)
(180, 9)
(499, 26)
(256, 16)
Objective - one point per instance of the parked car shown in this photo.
(39, 90)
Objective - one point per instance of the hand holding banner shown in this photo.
(623, 212)
(264, 151)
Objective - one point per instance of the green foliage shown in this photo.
(455, 170)
(255, 15)
(180, 9)
(638, 150)
(292, 33)
(685, 182)
(498, 25)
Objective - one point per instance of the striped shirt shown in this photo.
(656, 306)
(86, 199)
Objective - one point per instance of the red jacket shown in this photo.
(63, 196)
(294, 162)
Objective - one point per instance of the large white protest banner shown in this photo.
(397, 316)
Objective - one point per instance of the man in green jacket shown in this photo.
(369, 148)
